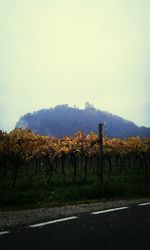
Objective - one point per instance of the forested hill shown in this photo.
(64, 120)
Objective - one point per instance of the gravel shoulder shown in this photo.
(25, 217)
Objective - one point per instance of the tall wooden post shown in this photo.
(100, 139)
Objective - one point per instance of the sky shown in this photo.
(55, 52)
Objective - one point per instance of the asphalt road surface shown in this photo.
(123, 228)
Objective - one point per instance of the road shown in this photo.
(123, 228)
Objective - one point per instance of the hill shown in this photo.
(64, 120)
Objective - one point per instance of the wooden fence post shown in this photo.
(100, 139)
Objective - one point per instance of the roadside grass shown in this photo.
(33, 191)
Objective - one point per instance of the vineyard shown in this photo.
(26, 156)
(23, 152)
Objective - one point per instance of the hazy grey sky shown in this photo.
(62, 51)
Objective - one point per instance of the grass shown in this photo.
(33, 191)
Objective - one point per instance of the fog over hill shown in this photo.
(65, 120)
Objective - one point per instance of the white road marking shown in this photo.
(4, 232)
(53, 221)
(144, 204)
(109, 210)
